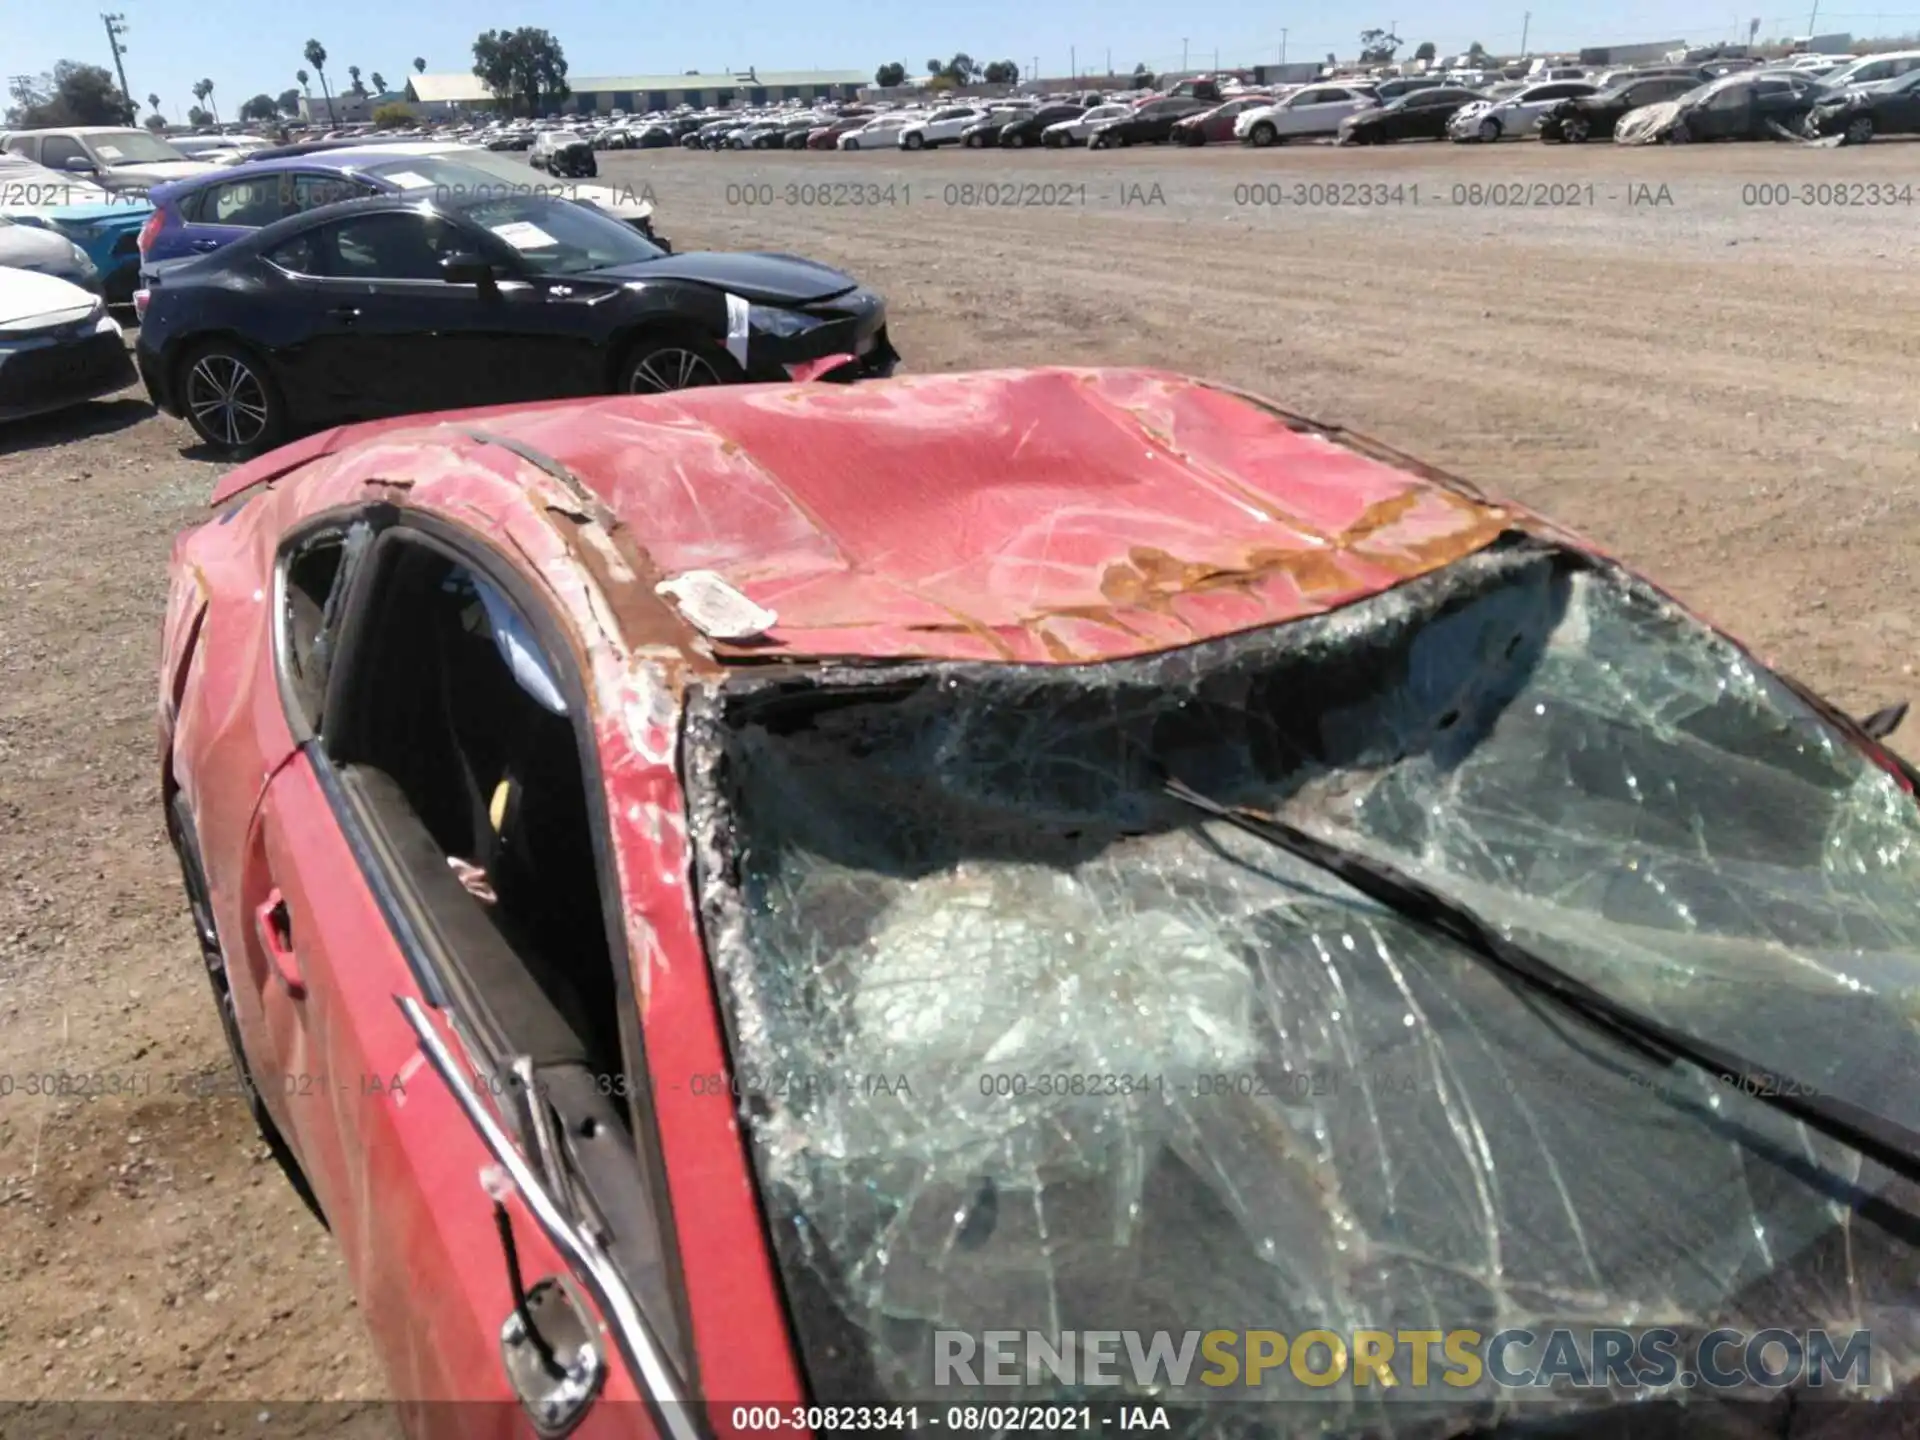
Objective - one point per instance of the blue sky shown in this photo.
(245, 47)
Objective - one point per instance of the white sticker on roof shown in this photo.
(713, 607)
(408, 180)
(107, 152)
(524, 235)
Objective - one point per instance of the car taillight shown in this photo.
(149, 230)
(140, 299)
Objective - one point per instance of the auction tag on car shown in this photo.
(524, 235)
(407, 180)
(107, 152)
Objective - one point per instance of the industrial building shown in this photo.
(1643, 53)
(637, 94)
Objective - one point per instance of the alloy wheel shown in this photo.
(227, 398)
(671, 368)
(1859, 130)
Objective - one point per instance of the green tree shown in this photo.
(203, 92)
(890, 74)
(198, 118)
(316, 56)
(74, 94)
(389, 117)
(1002, 72)
(1427, 51)
(1377, 47)
(1477, 53)
(156, 122)
(1142, 77)
(522, 66)
(260, 107)
(379, 83)
(962, 68)
(289, 102)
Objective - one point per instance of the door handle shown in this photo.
(204, 245)
(345, 314)
(274, 925)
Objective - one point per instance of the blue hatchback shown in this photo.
(206, 212)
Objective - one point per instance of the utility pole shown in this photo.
(1183, 54)
(1109, 60)
(1813, 20)
(1283, 44)
(1526, 24)
(1073, 61)
(116, 27)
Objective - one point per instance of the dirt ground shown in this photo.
(1714, 379)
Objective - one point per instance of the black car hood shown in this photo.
(783, 279)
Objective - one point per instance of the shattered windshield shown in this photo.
(1031, 1047)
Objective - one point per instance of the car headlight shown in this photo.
(52, 319)
(784, 323)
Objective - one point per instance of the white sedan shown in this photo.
(942, 127)
(1517, 112)
(58, 346)
(1076, 131)
(1310, 110)
(879, 133)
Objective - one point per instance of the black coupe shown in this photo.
(1149, 124)
(1592, 117)
(398, 304)
(1415, 115)
(1024, 130)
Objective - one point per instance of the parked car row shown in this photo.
(1719, 99)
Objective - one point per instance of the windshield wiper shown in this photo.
(1892, 1145)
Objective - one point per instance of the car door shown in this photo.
(1726, 112)
(1316, 111)
(1777, 98)
(399, 337)
(390, 1128)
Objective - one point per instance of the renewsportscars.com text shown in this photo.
(1407, 1360)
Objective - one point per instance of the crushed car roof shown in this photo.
(1050, 515)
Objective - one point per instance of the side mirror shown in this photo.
(467, 269)
(1884, 722)
(80, 165)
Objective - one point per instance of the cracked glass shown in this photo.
(1024, 1045)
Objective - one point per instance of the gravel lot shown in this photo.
(1712, 379)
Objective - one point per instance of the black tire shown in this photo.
(1859, 130)
(914, 141)
(229, 398)
(658, 363)
(213, 959)
(973, 142)
(1014, 142)
(1488, 132)
(1263, 135)
(1575, 131)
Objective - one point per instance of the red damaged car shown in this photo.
(1215, 126)
(727, 896)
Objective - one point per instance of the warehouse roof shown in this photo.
(470, 89)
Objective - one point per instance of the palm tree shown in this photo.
(353, 74)
(203, 92)
(419, 66)
(379, 83)
(153, 103)
(316, 54)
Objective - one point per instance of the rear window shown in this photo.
(1031, 1047)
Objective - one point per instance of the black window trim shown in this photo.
(429, 960)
